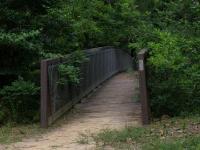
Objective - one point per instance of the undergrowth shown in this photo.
(167, 134)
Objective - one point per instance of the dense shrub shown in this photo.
(18, 101)
(170, 30)
(174, 75)
(70, 71)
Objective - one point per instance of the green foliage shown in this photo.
(37, 6)
(12, 132)
(173, 133)
(174, 75)
(18, 39)
(189, 143)
(171, 32)
(84, 24)
(18, 52)
(18, 101)
(70, 71)
(111, 136)
(33, 30)
(77, 58)
(69, 74)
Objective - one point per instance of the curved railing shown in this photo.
(103, 63)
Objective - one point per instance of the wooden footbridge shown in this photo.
(116, 98)
(106, 98)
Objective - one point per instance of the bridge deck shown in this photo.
(113, 105)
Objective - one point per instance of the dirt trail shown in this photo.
(110, 106)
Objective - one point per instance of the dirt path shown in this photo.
(110, 106)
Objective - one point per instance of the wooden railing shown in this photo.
(103, 63)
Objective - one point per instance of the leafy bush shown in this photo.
(174, 75)
(19, 101)
(171, 29)
(168, 134)
(18, 51)
(68, 73)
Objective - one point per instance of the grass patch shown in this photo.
(184, 143)
(83, 139)
(167, 134)
(11, 133)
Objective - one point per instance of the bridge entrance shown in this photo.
(103, 63)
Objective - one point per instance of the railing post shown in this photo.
(143, 87)
(44, 94)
